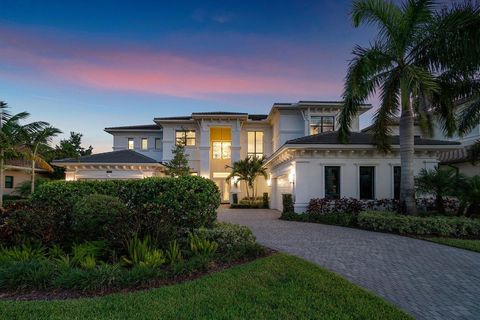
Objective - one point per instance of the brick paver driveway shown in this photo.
(427, 280)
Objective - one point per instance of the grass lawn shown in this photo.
(472, 245)
(276, 287)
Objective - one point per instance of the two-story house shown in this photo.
(299, 141)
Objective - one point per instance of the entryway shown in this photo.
(224, 188)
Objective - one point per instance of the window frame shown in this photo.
(185, 137)
(256, 154)
(396, 186)
(159, 145)
(132, 140)
(221, 149)
(146, 144)
(338, 183)
(9, 184)
(372, 187)
(321, 125)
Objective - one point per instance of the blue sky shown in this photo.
(86, 65)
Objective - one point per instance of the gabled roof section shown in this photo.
(143, 127)
(257, 117)
(113, 157)
(361, 138)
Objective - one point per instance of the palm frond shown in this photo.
(385, 14)
(469, 117)
(367, 70)
(385, 115)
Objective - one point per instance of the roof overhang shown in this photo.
(107, 164)
(303, 105)
(351, 147)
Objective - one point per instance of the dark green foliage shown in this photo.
(178, 166)
(95, 216)
(24, 188)
(99, 278)
(31, 274)
(227, 235)
(339, 219)
(201, 246)
(287, 200)
(438, 182)
(415, 225)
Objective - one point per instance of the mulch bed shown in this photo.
(63, 294)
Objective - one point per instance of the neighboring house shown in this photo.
(18, 171)
(299, 141)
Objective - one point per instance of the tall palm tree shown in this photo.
(412, 75)
(36, 143)
(11, 134)
(248, 170)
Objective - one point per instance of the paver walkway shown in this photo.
(427, 280)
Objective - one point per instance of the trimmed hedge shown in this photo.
(164, 208)
(415, 225)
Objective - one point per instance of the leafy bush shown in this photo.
(201, 246)
(227, 235)
(99, 278)
(173, 253)
(287, 200)
(25, 252)
(186, 202)
(415, 225)
(265, 201)
(32, 274)
(24, 188)
(140, 253)
(94, 215)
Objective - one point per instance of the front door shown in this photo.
(224, 188)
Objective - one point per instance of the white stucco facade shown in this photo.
(215, 140)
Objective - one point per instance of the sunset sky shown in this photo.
(86, 65)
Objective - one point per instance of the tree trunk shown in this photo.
(2, 178)
(407, 152)
(32, 188)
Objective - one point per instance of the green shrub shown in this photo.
(201, 246)
(23, 253)
(24, 189)
(287, 200)
(415, 225)
(227, 235)
(32, 274)
(140, 253)
(173, 253)
(265, 201)
(94, 215)
(102, 277)
(165, 208)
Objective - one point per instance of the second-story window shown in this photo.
(221, 150)
(131, 145)
(185, 137)
(255, 144)
(158, 143)
(319, 124)
(144, 144)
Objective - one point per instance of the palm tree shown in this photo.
(11, 135)
(36, 143)
(439, 182)
(412, 74)
(248, 170)
(469, 194)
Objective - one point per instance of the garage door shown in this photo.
(283, 186)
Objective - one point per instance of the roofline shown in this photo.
(129, 130)
(341, 146)
(61, 164)
(12, 167)
(304, 104)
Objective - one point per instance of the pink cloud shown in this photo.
(107, 67)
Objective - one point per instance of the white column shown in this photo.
(204, 150)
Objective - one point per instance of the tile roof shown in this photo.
(120, 156)
(360, 138)
(454, 156)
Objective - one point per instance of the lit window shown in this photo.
(255, 144)
(322, 124)
(221, 150)
(9, 182)
(158, 143)
(130, 144)
(185, 137)
(144, 144)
